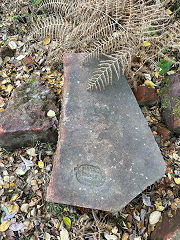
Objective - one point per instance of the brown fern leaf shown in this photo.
(57, 7)
(117, 27)
(103, 76)
(115, 42)
(57, 28)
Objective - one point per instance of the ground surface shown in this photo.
(25, 214)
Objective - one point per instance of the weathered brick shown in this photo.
(25, 121)
(106, 153)
(163, 132)
(168, 229)
(171, 103)
(146, 96)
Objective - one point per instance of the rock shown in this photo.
(170, 102)
(106, 152)
(7, 52)
(168, 229)
(163, 132)
(146, 96)
(25, 121)
(28, 61)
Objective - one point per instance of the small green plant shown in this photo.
(36, 2)
(55, 208)
(165, 65)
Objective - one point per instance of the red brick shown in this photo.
(163, 132)
(25, 121)
(170, 102)
(146, 96)
(168, 229)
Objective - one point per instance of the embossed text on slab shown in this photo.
(90, 175)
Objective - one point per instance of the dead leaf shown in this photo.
(31, 152)
(27, 162)
(51, 114)
(136, 216)
(142, 214)
(146, 200)
(12, 45)
(64, 234)
(149, 83)
(16, 227)
(110, 237)
(40, 164)
(47, 40)
(14, 197)
(4, 226)
(20, 57)
(177, 180)
(46, 236)
(154, 217)
(125, 236)
(169, 11)
(13, 208)
(174, 206)
(10, 215)
(146, 44)
(24, 207)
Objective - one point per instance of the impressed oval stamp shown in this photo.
(90, 175)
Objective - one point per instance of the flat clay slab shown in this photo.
(106, 153)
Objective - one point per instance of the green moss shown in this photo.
(17, 105)
(163, 92)
(164, 101)
(21, 92)
(176, 109)
(30, 81)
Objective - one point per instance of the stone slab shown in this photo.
(106, 153)
(25, 121)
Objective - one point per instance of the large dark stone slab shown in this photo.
(25, 120)
(106, 153)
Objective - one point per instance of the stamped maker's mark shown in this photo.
(90, 175)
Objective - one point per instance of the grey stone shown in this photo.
(106, 153)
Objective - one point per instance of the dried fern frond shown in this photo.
(116, 28)
(102, 77)
(57, 28)
(56, 7)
